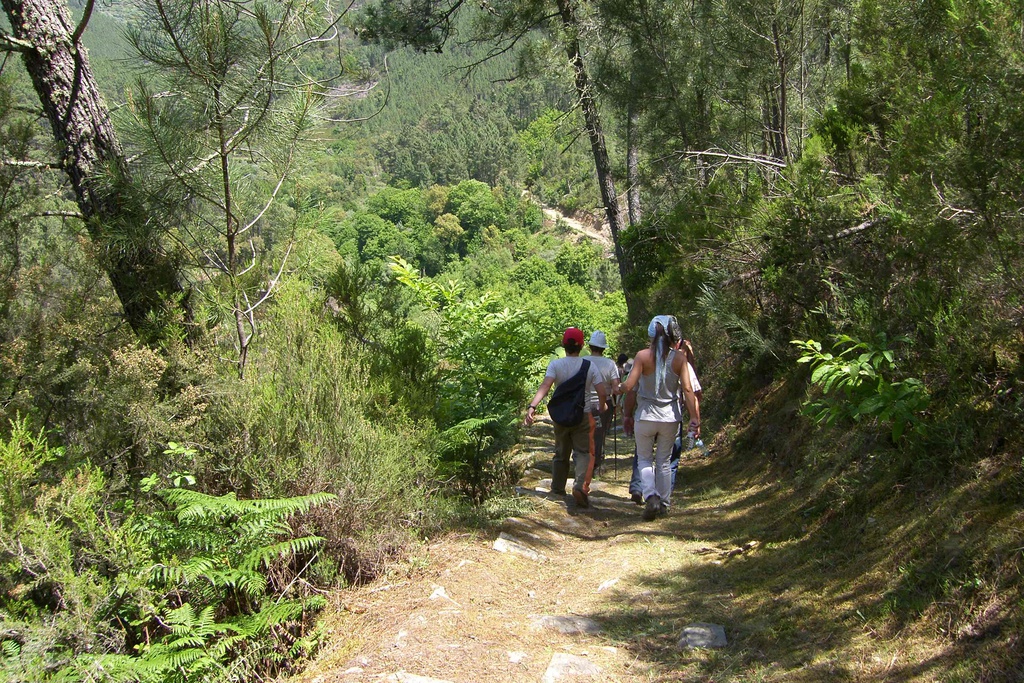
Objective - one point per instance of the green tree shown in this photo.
(430, 25)
(218, 152)
(577, 263)
(449, 230)
(476, 207)
(483, 376)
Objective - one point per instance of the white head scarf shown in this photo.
(652, 329)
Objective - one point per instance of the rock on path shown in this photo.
(564, 665)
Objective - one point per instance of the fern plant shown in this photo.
(205, 588)
(217, 575)
(467, 454)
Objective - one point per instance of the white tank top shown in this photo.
(659, 404)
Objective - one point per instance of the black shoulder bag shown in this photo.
(570, 397)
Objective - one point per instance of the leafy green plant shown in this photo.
(224, 568)
(486, 356)
(467, 453)
(854, 387)
(201, 587)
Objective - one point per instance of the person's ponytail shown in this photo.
(659, 346)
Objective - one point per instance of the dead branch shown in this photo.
(21, 163)
(750, 159)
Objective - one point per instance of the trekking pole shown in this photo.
(615, 444)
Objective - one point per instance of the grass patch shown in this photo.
(864, 571)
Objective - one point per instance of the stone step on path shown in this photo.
(703, 635)
(564, 665)
(510, 544)
(403, 677)
(570, 625)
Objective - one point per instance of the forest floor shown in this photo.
(460, 610)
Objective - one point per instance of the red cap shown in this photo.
(573, 334)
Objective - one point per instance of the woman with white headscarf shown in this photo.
(658, 373)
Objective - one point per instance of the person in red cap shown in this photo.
(574, 439)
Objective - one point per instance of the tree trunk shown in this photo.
(633, 164)
(782, 125)
(592, 119)
(142, 276)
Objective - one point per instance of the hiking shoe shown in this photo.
(636, 498)
(580, 498)
(560, 492)
(652, 508)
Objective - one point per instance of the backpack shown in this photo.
(570, 397)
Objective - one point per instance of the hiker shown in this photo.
(698, 393)
(625, 365)
(657, 375)
(621, 362)
(600, 420)
(693, 429)
(571, 371)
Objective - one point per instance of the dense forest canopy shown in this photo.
(296, 253)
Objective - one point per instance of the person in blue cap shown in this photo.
(692, 434)
(600, 420)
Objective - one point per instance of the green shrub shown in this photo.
(853, 385)
(199, 587)
(313, 415)
(487, 351)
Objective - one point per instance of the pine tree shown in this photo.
(220, 117)
(142, 274)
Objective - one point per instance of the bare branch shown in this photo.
(742, 277)
(842, 234)
(57, 214)
(760, 160)
(86, 15)
(509, 43)
(252, 248)
(273, 195)
(9, 43)
(273, 283)
(859, 228)
(20, 163)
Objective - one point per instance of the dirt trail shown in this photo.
(462, 611)
(793, 610)
(603, 236)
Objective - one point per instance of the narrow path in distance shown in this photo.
(603, 236)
